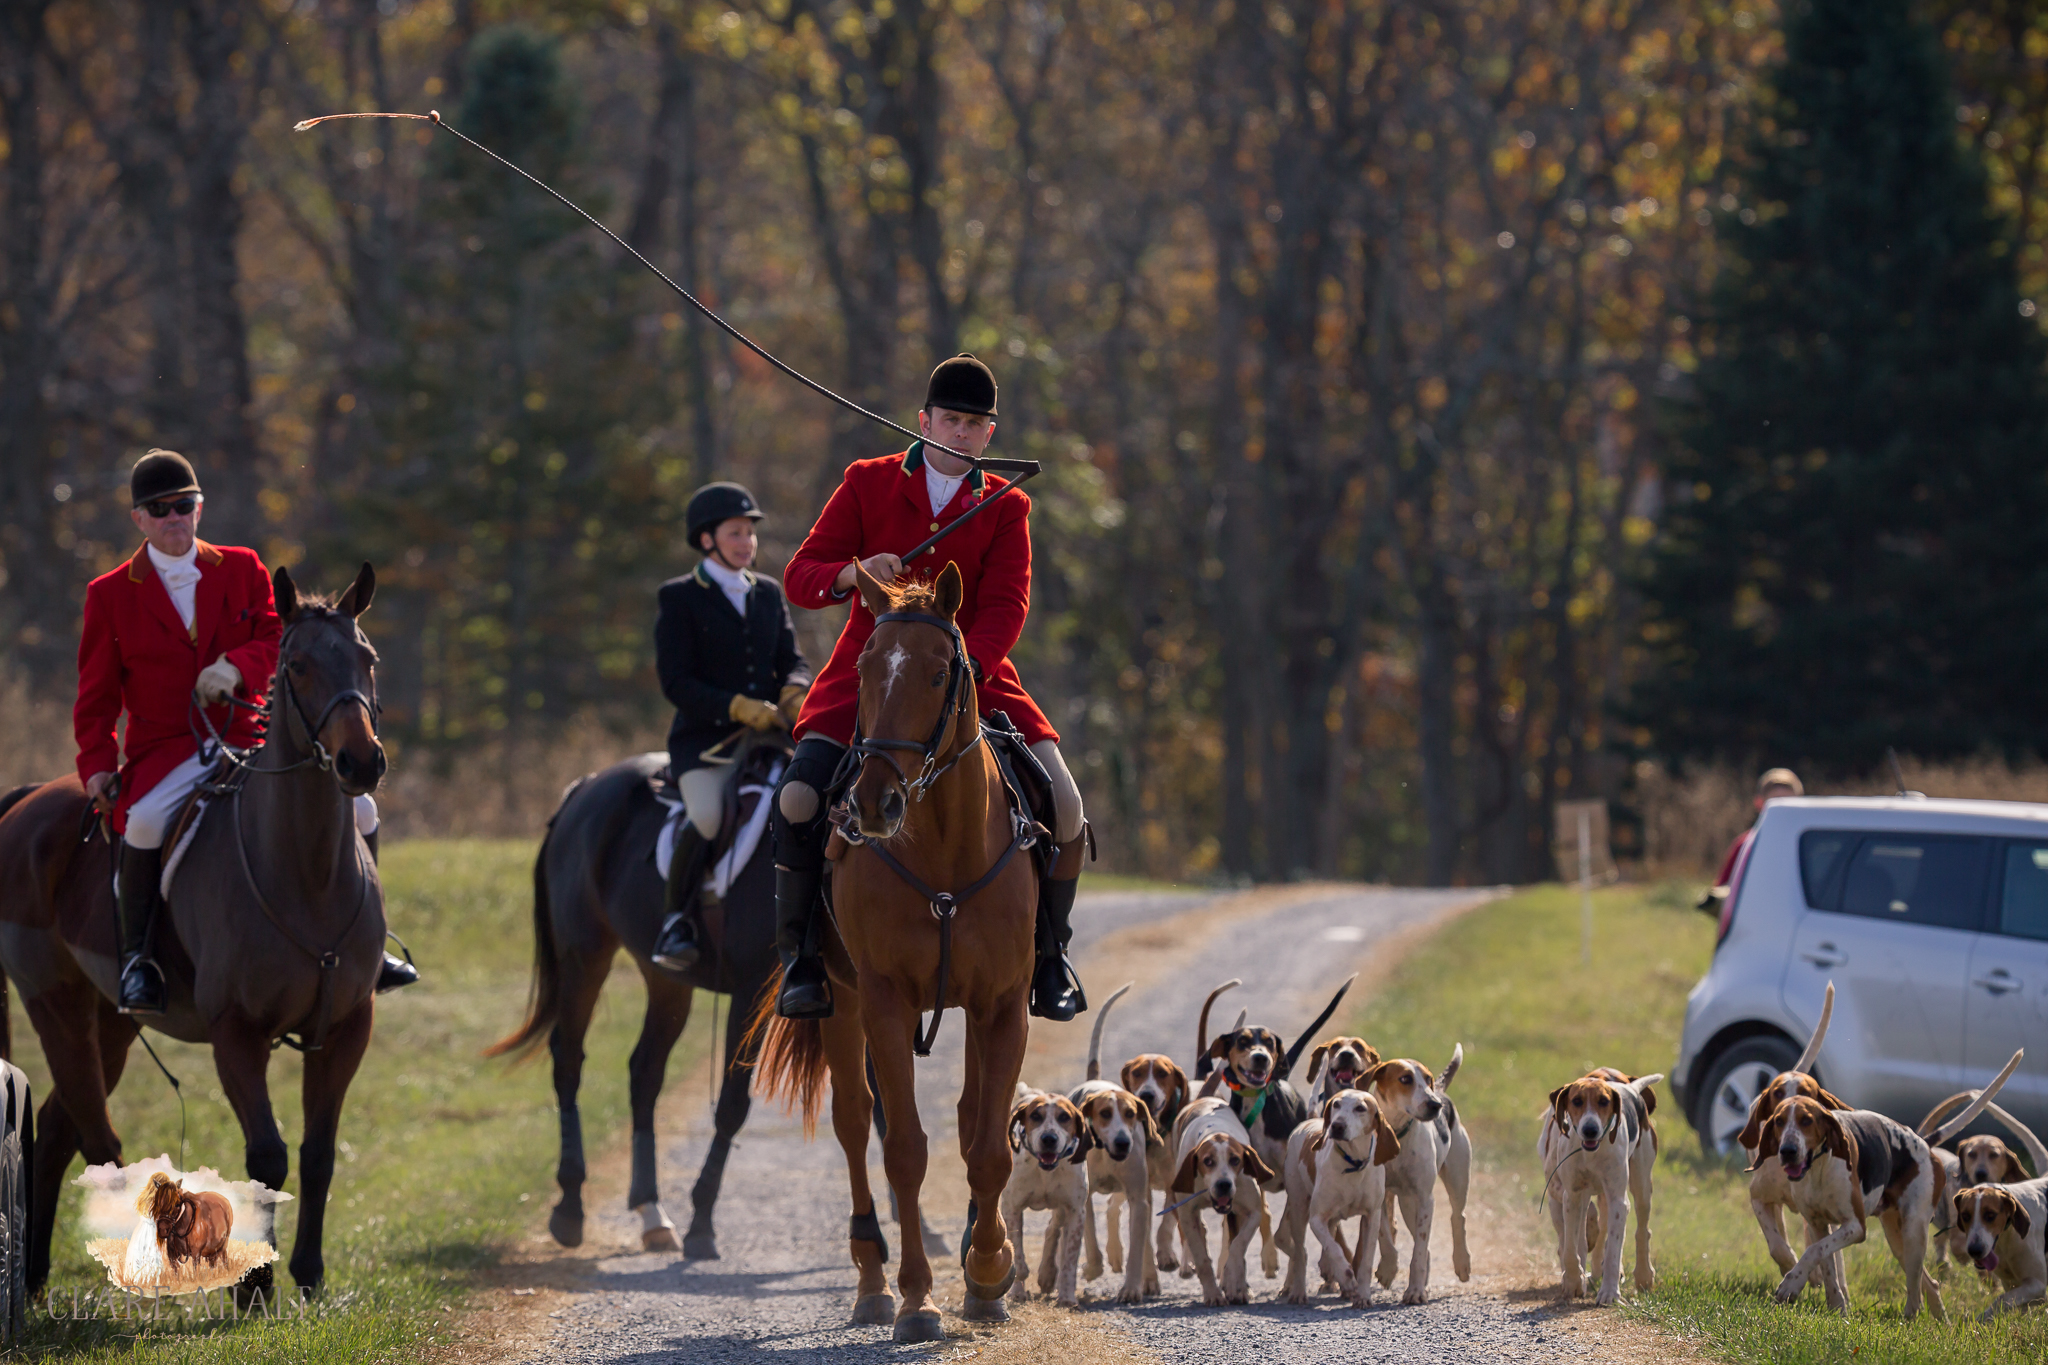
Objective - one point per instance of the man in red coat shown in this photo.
(882, 508)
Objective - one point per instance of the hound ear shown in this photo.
(1648, 1095)
(1372, 1057)
(950, 592)
(1180, 1081)
(1830, 1101)
(1083, 1128)
(1556, 1106)
(1184, 1178)
(1768, 1135)
(1220, 1047)
(1124, 1076)
(1614, 1130)
(2021, 1224)
(1843, 1145)
(1315, 1062)
(1751, 1135)
(2014, 1172)
(1255, 1165)
(1386, 1145)
(1017, 1123)
(356, 600)
(1383, 1068)
(286, 594)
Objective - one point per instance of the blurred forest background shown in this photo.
(1365, 342)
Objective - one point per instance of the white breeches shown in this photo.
(800, 799)
(704, 796)
(149, 819)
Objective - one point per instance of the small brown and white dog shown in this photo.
(1336, 1170)
(1980, 1160)
(1600, 1145)
(1847, 1165)
(1434, 1146)
(2002, 1226)
(1121, 1136)
(189, 1227)
(1350, 1059)
(1770, 1193)
(1217, 1166)
(1048, 1170)
(1551, 1144)
(1155, 1079)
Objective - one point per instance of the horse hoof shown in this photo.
(913, 1328)
(874, 1310)
(977, 1290)
(566, 1226)
(661, 1239)
(700, 1246)
(984, 1310)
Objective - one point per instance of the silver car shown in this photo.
(1931, 918)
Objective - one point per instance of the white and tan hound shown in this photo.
(2001, 1229)
(1218, 1167)
(1846, 1165)
(1434, 1145)
(1600, 1146)
(1336, 1169)
(1163, 1087)
(1121, 1137)
(1048, 1170)
(1349, 1060)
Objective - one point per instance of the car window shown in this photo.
(1917, 879)
(1820, 853)
(2023, 907)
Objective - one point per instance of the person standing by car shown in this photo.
(1774, 784)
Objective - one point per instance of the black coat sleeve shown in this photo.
(696, 701)
(790, 664)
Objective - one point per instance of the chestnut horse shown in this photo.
(274, 925)
(918, 841)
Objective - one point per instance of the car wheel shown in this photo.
(17, 1148)
(1735, 1079)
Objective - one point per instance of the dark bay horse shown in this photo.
(945, 824)
(596, 889)
(274, 925)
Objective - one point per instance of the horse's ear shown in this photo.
(950, 592)
(871, 590)
(285, 592)
(356, 600)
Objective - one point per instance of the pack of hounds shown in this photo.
(1362, 1135)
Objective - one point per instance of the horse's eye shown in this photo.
(938, 680)
(298, 667)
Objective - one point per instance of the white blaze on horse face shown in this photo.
(895, 659)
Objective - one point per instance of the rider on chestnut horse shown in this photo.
(727, 656)
(883, 507)
(180, 617)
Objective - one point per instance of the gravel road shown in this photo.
(784, 1285)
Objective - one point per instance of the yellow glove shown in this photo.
(758, 715)
(217, 682)
(792, 705)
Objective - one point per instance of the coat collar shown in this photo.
(913, 463)
(703, 579)
(208, 597)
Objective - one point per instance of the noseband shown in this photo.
(931, 770)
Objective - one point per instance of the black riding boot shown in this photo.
(1056, 992)
(675, 947)
(142, 981)
(396, 971)
(806, 990)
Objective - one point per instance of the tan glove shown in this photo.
(753, 713)
(217, 682)
(792, 704)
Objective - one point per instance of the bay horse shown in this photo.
(596, 889)
(930, 906)
(274, 925)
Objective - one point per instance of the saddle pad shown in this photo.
(744, 843)
(188, 825)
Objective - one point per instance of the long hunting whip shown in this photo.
(1024, 469)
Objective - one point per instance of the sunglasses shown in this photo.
(166, 507)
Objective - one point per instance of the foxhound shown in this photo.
(2001, 1229)
(1601, 1146)
(1336, 1169)
(1155, 1079)
(1349, 1060)
(1844, 1165)
(1048, 1170)
(1120, 1138)
(1434, 1145)
(1552, 1144)
(1770, 1193)
(1981, 1160)
(1218, 1166)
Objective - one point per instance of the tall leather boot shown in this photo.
(395, 971)
(142, 981)
(1056, 992)
(806, 989)
(676, 946)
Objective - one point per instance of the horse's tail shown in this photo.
(791, 1065)
(8, 802)
(544, 998)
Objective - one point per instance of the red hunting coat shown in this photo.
(137, 655)
(881, 506)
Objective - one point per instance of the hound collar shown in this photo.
(1256, 1104)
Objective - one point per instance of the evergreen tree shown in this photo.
(1857, 554)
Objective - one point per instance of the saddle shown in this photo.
(756, 761)
(224, 778)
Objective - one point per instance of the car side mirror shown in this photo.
(1712, 902)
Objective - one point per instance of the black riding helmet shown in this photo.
(717, 502)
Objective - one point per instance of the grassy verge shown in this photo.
(1507, 982)
(447, 1158)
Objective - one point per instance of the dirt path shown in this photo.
(784, 1287)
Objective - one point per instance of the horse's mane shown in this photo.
(159, 1186)
(914, 595)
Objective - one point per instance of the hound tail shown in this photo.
(1642, 1083)
(1443, 1082)
(1976, 1107)
(1202, 1029)
(1095, 1039)
(2035, 1150)
(1804, 1066)
(1294, 1053)
(791, 1065)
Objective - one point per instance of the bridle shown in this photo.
(930, 770)
(282, 682)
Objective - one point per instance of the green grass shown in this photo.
(1507, 982)
(448, 1158)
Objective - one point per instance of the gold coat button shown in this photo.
(935, 526)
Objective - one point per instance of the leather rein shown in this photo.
(944, 904)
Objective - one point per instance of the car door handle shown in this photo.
(1826, 955)
(1999, 982)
